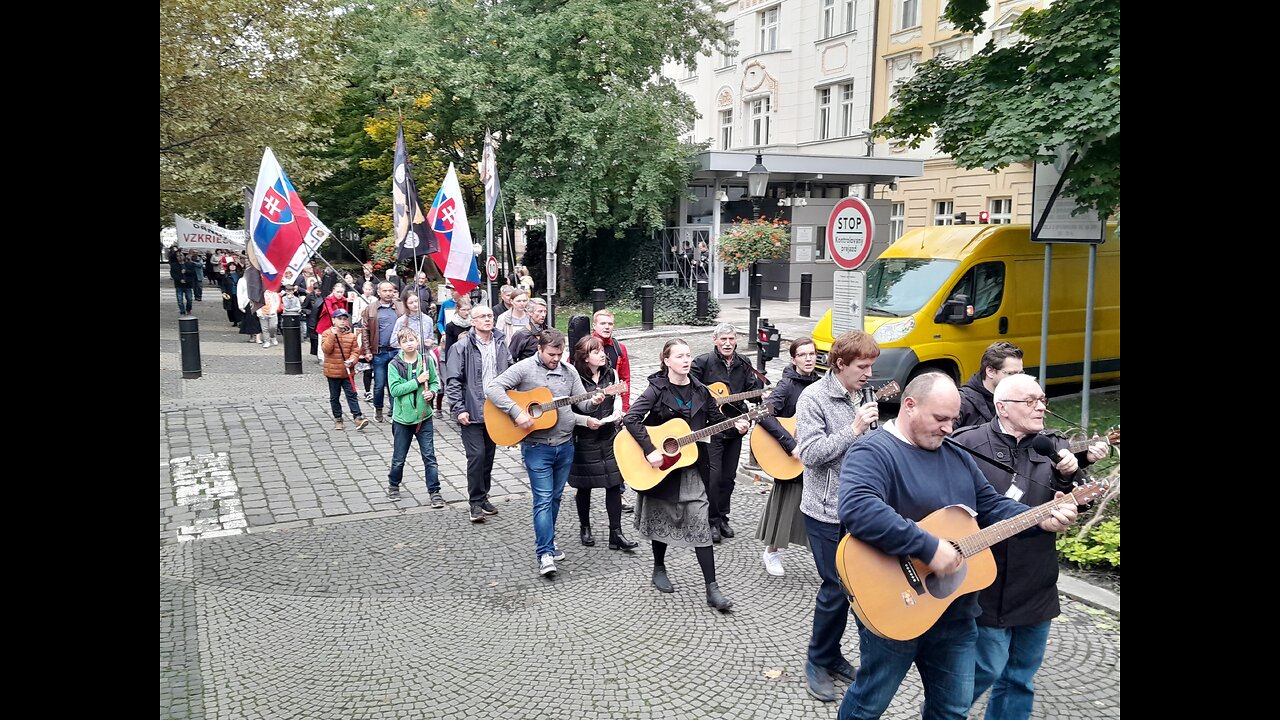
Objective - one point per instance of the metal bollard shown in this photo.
(597, 300)
(754, 286)
(806, 293)
(704, 300)
(189, 345)
(646, 307)
(291, 329)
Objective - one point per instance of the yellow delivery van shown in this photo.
(939, 296)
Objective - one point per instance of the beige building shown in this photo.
(909, 32)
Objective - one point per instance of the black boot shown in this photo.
(617, 541)
(725, 530)
(717, 600)
(585, 536)
(660, 579)
(715, 532)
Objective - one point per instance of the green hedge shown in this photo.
(1100, 548)
(679, 306)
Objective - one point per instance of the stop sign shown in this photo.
(849, 233)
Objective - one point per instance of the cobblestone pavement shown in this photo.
(291, 588)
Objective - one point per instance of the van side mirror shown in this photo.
(956, 310)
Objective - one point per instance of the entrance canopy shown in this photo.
(731, 168)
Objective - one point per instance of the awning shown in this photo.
(731, 168)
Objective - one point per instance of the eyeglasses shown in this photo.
(1010, 372)
(1031, 402)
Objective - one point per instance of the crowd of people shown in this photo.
(875, 481)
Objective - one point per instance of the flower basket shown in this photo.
(748, 241)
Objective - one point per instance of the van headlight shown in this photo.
(895, 330)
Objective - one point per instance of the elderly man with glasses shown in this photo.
(1017, 608)
(999, 361)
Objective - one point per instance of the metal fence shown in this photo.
(686, 256)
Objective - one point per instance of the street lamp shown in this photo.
(757, 185)
(314, 207)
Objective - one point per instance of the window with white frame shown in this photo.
(690, 72)
(727, 57)
(837, 17)
(847, 123)
(824, 113)
(848, 15)
(908, 15)
(897, 220)
(820, 244)
(942, 212)
(726, 129)
(760, 121)
(829, 18)
(1001, 211)
(768, 29)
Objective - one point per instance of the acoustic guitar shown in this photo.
(900, 598)
(720, 392)
(779, 463)
(540, 406)
(669, 437)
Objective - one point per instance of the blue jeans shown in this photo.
(944, 656)
(380, 362)
(1009, 658)
(199, 286)
(548, 471)
(402, 436)
(184, 298)
(831, 611)
(338, 387)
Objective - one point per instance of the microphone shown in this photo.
(869, 395)
(1043, 445)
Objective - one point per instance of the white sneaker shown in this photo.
(773, 563)
(547, 565)
(274, 342)
(266, 344)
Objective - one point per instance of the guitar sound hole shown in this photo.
(670, 446)
(534, 411)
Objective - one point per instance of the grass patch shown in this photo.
(623, 317)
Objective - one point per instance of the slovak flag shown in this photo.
(278, 221)
(448, 222)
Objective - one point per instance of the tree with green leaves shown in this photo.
(237, 76)
(1058, 84)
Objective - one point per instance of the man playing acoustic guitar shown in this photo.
(888, 483)
(1017, 608)
(548, 454)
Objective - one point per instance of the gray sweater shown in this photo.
(530, 373)
(824, 431)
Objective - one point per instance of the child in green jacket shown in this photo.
(413, 381)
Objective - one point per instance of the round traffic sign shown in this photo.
(492, 267)
(849, 233)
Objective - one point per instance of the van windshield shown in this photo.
(898, 287)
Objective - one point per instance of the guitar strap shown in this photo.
(1007, 468)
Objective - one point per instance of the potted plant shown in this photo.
(749, 241)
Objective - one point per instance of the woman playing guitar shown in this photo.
(674, 512)
(782, 522)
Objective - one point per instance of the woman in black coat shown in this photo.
(674, 512)
(230, 302)
(593, 463)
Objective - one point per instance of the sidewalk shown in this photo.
(290, 585)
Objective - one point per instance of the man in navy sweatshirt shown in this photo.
(889, 482)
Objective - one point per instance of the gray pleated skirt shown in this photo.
(781, 522)
(679, 524)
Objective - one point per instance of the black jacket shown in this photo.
(524, 343)
(1025, 591)
(977, 404)
(783, 401)
(656, 406)
(738, 376)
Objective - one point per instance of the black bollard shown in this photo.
(806, 293)
(754, 285)
(291, 329)
(704, 300)
(597, 300)
(189, 344)
(646, 307)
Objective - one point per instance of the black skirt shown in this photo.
(250, 324)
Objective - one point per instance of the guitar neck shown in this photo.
(740, 396)
(717, 428)
(1005, 529)
(561, 402)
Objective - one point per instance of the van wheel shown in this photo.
(948, 370)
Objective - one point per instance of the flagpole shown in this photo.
(488, 218)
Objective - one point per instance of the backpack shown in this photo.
(579, 327)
